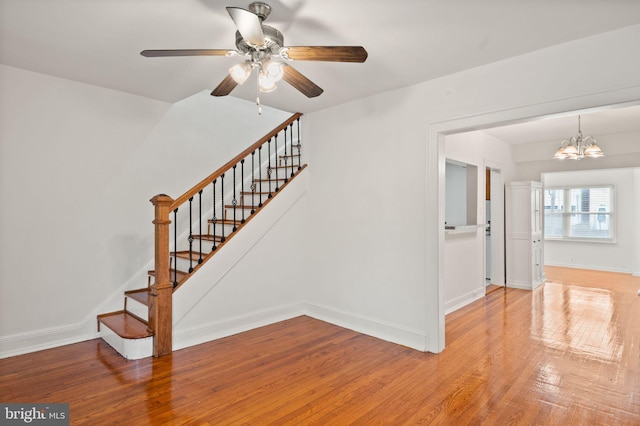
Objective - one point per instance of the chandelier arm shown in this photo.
(579, 146)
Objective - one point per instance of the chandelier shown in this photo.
(578, 147)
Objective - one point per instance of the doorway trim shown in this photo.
(497, 262)
(436, 133)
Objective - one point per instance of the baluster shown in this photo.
(253, 181)
(224, 213)
(260, 173)
(200, 224)
(269, 167)
(286, 179)
(291, 140)
(175, 248)
(275, 155)
(299, 144)
(242, 187)
(214, 219)
(190, 238)
(234, 202)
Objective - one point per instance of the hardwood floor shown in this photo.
(567, 353)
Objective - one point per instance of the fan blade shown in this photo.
(188, 52)
(249, 26)
(225, 87)
(325, 53)
(300, 82)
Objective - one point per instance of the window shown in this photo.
(579, 213)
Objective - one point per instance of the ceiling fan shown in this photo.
(263, 49)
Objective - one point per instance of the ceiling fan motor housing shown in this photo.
(274, 40)
(261, 9)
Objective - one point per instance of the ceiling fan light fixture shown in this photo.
(262, 46)
(240, 72)
(274, 70)
(267, 84)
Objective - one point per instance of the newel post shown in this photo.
(160, 300)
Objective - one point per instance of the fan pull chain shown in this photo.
(258, 93)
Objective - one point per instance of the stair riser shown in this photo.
(137, 308)
(183, 264)
(128, 348)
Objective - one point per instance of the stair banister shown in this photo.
(229, 164)
(160, 300)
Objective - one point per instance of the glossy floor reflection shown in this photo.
(584, 359)
(567, 353)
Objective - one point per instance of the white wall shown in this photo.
(258, 278)
(78, 165)
(374, 211)
(377, 239)
(619, 256)
(464, 254)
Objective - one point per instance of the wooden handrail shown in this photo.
(229, 164)
(160, 300)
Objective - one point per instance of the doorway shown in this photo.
(437, 133)
(494, 234)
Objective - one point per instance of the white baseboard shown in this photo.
(592, 267)
(184, 338)
(413, 339)
(216, 330)
(33, 341)
(465, 299)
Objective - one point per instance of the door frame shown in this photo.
(436, 133)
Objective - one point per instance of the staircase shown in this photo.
(186, 239)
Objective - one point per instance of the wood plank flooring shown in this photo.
(567, 353)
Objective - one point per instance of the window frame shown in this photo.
(566, 214)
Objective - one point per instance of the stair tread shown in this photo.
(241, 206)
(256, 193)
(225, 221)
(274, 179)
(125, 325)
(194, 254)
(141, 295)
(205, 237)
(282, 167)
(180, 274)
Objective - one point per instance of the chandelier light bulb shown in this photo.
(593, 151)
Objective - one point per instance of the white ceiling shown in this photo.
(601, 121)
(409, 41)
